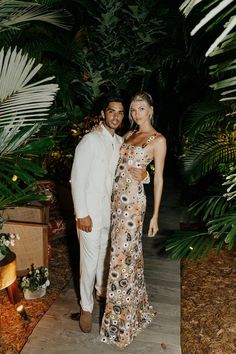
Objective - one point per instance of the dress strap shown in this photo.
(151, 138)
(129, 134)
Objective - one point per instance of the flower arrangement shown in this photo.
(6, 240)
(35, 278)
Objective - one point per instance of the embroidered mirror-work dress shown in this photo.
(127, 308)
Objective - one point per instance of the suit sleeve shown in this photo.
(83, 159)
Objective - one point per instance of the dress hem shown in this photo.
(137, 332)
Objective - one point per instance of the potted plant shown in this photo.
(35, 282)
(6, 240)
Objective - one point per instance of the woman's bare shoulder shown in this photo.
(160, 142)
(159, 138)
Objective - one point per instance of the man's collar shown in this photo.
(106, 132)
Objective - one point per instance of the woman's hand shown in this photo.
(153, 227)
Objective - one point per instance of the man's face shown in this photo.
(113, 116)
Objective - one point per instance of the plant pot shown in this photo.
(31, 295)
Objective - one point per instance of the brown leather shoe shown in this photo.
(85, 321)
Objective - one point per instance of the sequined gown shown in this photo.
(127, 309)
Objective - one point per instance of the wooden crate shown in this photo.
(32, 246)
(28, 213)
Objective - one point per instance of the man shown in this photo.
(92, 174)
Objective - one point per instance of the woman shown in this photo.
(127, 309)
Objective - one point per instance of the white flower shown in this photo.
(7, 240)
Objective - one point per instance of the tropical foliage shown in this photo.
(210, 137)
(218, 15)
(25, 101)
(209, 140)
(113, 48)
(118, 45)
(24, 107)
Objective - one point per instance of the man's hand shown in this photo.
(139, 174)
(85, 224)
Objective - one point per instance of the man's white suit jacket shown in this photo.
(92, 176)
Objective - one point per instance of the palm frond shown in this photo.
(226, 46)
(189, 244)
(231, 190)
(211, 14)
(16, 156)
(24, 105)
(187, 6)
(229, 83)
(19, 100)
(210, 207)
(229, 26)
(14, 13)
(203, 116)
(207, 155)
(194, 245)
(13, 136)
(223, 43)
(224, 83)
(23, 196)
(224, 227)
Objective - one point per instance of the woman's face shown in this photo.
(140, 111)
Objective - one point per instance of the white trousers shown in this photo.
(94, 265)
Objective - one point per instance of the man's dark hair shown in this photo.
(110, 98)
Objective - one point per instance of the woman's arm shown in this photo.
(159, 161)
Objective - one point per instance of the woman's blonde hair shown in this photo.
(141, 96)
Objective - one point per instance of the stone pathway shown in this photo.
(56, 333)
